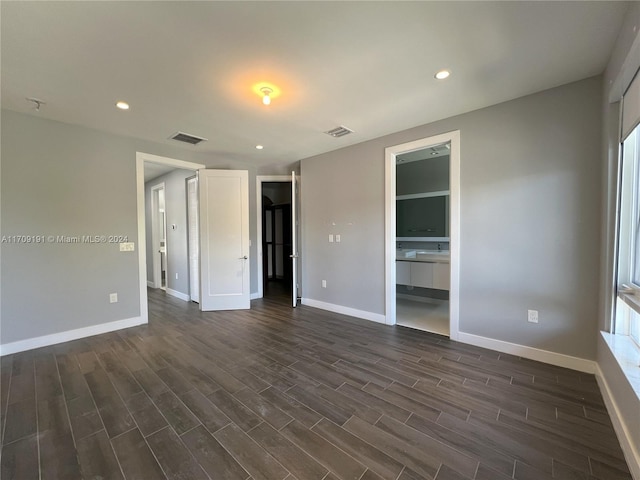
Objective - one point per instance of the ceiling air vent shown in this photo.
(340, 131)
(186, 138)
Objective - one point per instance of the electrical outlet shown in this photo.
(176, 276)
(113, 298)
(532, 316)
(324, 284)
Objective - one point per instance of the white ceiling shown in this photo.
(191, 66)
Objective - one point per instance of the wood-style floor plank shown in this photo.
(276, 393)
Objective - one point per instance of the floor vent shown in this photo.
(187, 138)
(340, 131)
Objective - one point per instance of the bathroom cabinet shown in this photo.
(423, 274)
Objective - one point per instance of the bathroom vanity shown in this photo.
(423, 268)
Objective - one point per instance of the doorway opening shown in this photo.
(274, 207)
(422, 239)
(422, 234)
(148, 168)
(276, 239)
(159, 236)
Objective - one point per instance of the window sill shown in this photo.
(627, 354)
(631, 300)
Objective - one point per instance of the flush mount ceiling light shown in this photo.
(122, 105)
(267, 91)
(266, 95)
(259, 147)
(442, 74)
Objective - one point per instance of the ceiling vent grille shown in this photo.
(340, 131)
(187, 138)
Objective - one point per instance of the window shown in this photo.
(628, 298)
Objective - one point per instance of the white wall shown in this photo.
(530, 219)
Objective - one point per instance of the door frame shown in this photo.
(141, 158)
(157, 262)
(454, 224)
(260, 179)
(193, 244)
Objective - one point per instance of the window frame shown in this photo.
(627, 263)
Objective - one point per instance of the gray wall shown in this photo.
(60, 179)
(530, 218)
(176, 214)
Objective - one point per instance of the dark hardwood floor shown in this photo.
(279, 393)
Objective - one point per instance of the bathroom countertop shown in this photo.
(432, 256)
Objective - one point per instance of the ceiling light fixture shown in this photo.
(259, 147)
(122, 105)
(442, 74)
(266, 95)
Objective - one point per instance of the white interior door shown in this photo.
(295, 237)
(224, 239)
(194, 239)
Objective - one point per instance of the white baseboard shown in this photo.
(352, 312)
(150, 284)
(177, 294)
(55, 338)
(630, 454)
(553, 358)
(254, 296)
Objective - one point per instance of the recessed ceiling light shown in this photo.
(442, 74)
(122, 105)
(259, 147)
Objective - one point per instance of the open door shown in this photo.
(295, 237)
(224, 239)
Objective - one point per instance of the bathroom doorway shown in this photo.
(422, 243)
(422, 239)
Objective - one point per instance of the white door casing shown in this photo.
(454, 224)
(224, 239)
(141, 159)
(295, 224)
(193, 239)
(156, 235)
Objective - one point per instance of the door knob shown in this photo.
(243, 258)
